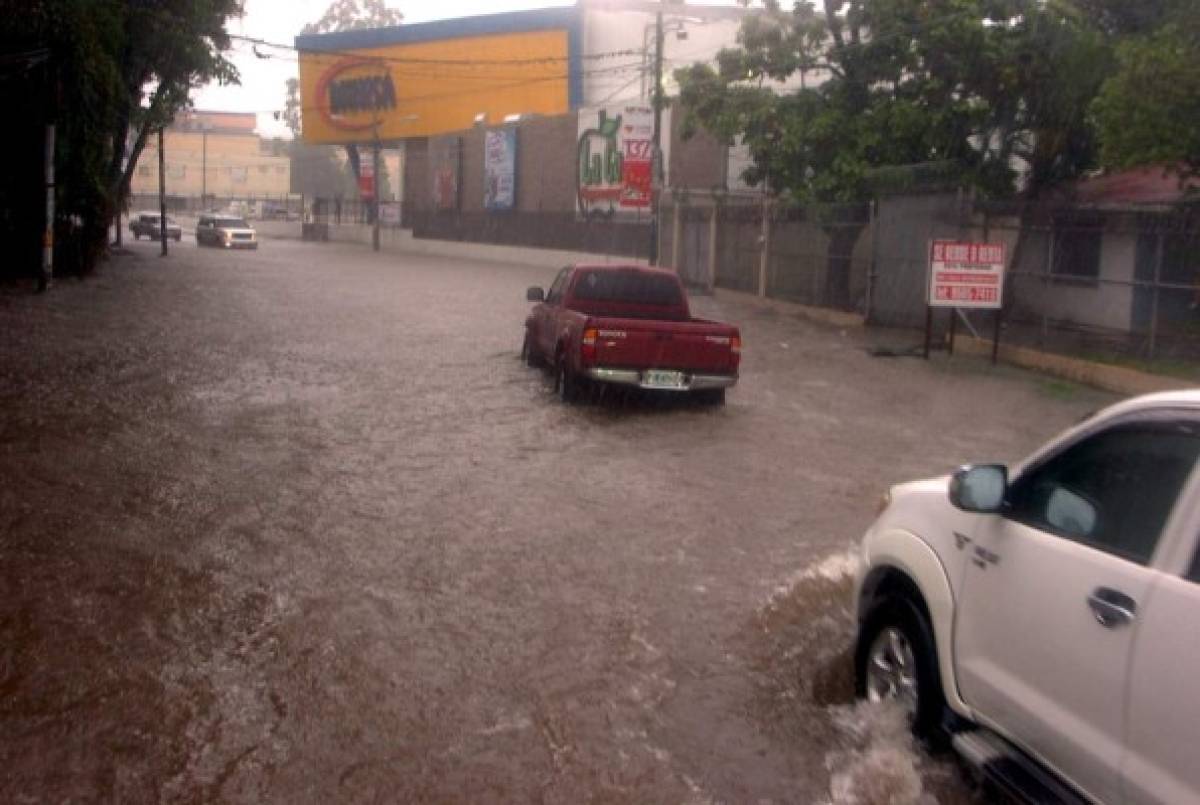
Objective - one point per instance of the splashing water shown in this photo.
(805, 638)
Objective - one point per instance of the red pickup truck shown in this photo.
(627, 325)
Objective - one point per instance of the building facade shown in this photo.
(217, 155)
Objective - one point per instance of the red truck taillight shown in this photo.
(735, 351)
(587, 347)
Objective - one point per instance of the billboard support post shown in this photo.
(996, 335)
(928, 329)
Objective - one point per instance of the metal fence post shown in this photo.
(677, 229)
(764, 257)
(714, 222)
(48, 233)
(1046, 281)
(1159, 245)
(873, 266)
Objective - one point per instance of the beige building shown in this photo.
(217, 154)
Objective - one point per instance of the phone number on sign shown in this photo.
(961, 294)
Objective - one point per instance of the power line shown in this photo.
(612, 95)
(464, 62)
(445, 75)
(404, 100)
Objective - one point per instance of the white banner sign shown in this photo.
(966, 274)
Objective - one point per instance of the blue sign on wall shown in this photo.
(500, 169)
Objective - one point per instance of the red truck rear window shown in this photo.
(628, 287)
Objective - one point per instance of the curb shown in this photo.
(1118, 379)
(837, 318)
(401, 241)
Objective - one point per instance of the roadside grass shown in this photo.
(1057, 389)
(1167, 367)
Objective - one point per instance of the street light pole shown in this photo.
(656, 150)
(375, 192)
(203, 166)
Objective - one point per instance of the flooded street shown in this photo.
(297, 525)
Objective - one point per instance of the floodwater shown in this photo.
(298, 526)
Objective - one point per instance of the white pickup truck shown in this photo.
(1046, 617)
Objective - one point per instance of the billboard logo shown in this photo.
(615, 157)
(354, 91)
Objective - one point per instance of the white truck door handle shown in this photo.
(1111, 607)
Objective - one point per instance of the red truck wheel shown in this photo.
(565, 383)
(527, 353)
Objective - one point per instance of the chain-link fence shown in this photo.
(339, 211)
(1112, 283)
(1104, 282)
(286, 207)
(813, 255)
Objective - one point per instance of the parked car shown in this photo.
(1044, 616)
(225, 231)
(148, 224)
(628, 325)
(276, 212)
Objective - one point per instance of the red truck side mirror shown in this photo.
(535, 294)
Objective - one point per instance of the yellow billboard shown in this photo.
(358, 86)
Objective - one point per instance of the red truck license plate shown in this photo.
(660, 379)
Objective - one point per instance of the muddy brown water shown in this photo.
(298, 526)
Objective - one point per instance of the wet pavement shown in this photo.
(297, 525)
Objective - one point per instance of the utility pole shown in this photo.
(656, 165)
(203, 165)
(47, 272)
(162, 194)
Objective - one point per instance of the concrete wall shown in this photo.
(906, 225)
(400, 242)
(717, 241)
(546, 166)
(545, 214)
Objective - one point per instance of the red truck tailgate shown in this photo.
(685, 345)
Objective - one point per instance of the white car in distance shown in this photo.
(225, 231)
(1046, 617)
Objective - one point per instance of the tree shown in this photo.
(959, 88)
(123, 69)
(1149, 111)
(968, 84)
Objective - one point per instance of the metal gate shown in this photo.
(693, 263)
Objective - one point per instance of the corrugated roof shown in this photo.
(1150, 184)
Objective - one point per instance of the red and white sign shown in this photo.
(366, 180)
(964, 274)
